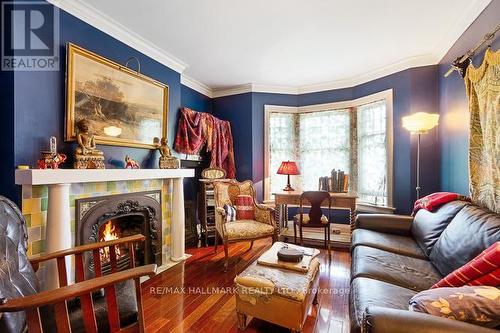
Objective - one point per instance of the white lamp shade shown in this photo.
(420, 122)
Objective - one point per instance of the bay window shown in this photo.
(353, 136)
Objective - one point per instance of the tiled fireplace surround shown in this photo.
(35, 203)
(48, 232)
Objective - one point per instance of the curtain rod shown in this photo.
(458, 64)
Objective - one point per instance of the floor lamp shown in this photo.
(420, 123)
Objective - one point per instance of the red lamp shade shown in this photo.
(288, 168)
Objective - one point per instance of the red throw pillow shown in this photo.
(482, 270)
(244, 207)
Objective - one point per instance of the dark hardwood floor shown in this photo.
(202, 307)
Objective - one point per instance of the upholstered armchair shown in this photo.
(262, 226)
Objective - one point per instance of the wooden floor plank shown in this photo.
(202, 307)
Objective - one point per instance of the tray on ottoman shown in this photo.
(277, 295)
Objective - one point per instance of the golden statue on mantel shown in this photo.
(87, 156)
(167, 161)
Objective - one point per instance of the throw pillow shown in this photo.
(244, 207)
(230, 213)
(477, 305)
(472, 273)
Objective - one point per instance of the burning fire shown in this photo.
(110, 232)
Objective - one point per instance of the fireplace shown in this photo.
(115, 216)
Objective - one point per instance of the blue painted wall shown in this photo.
(7, 187)
(194, 100)
(40, 96)
(238, 110)
(33, 104)
(414, 90)
(453, 105)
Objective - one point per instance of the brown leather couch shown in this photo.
(394, 257)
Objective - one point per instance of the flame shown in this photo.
(109, 233)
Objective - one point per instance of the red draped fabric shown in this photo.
(195, 129)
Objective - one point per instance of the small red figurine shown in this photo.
(131, 164)
(51, 158)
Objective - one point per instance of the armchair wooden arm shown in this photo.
(78, 289)
(84, 288)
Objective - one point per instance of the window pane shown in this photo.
(282, 147)
(372, 153)
(323, 145)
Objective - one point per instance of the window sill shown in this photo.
(370, 208)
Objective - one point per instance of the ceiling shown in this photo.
(285, 43)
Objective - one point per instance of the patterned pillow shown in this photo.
(230, 213)
(477, 305)
(482, 270)
(244, 207)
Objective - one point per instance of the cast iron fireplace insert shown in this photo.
(114, 216)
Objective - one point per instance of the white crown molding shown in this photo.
(239, 89)
(196, 85)
(412, 62)
(108, 25)
(468, 16)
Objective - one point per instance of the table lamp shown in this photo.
(288, 168)
(420, 123)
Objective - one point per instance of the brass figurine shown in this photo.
(87, 156)
(167, 161)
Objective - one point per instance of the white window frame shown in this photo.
(386, 95)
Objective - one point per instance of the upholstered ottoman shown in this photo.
(278, 295)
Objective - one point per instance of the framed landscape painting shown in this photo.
(124, 107)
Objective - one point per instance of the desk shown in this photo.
(337, 200)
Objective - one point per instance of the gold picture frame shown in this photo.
(124, 107)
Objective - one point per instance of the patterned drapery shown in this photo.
(483, 90)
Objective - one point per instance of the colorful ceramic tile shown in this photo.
(27, 191)
(44, 204)
(27, 217)
(34, 234)
(36, 219)
(38, 247)
(40, 192)
(30, 206)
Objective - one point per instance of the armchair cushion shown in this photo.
(247, 229)
(229, 213)
(245, 208)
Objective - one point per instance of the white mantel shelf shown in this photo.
(69, 176)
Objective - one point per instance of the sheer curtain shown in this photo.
(282, 142)
(324, 144)
(372, 153)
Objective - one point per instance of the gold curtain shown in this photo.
(483, 90)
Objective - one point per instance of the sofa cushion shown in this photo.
(471, 231)
(369, 292)
(406, 272)
(427, 226)
(479, 305)
(388, 242)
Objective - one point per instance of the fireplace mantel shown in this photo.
(70, 176)
(58, 227)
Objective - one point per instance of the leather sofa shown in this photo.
(394, 257)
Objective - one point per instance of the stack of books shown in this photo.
(338, 182)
